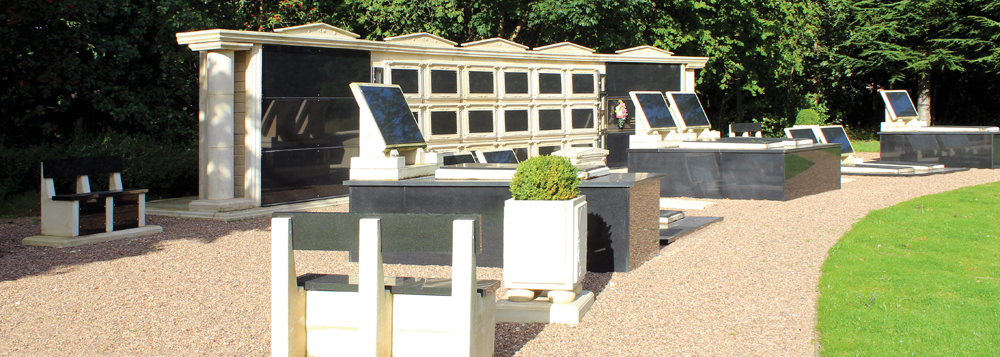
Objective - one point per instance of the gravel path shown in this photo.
(744, 286)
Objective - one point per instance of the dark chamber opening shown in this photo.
(309, 119)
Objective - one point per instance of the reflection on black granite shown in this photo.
(549, 83)
(480, 82)
(393, 117)
(657, 113)
(304, 174)
(901, 104)
(298, 71)
(546, 150)
(549, 119)
(954, 149)
(803, 133)
(626, 77)
(500, 157)
(690, 109)
(600, 255)
(773, 174)
(583, 83)
(837, 135)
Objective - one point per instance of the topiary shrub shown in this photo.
(545, 178)
(808, 117)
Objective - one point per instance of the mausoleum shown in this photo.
(278, 122)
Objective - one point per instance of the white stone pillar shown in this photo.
(216, 127)
(689, 79)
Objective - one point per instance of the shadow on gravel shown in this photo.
(510, 337)
(596, 282)
(19, 261)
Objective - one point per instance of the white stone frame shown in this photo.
(502, 119)
(253, 120)
(536, 129)
(429, 94)
(536, 87)
(431, 109)
(466, 85)
(596, 78)
(578, 106)
(422, 86)
(502, 85)
(494, 112)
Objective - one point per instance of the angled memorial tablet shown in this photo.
(688, 107)
(835, 134)
(654, 114)
(804, 132)
(898, 104)
(387, 106)
(391, 144)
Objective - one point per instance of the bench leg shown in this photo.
(375, 334)
(288, 319)
(463, 286)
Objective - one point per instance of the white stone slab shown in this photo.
(542, 311)
(63, 242)
(678, 204)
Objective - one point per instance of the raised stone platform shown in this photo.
(63, 242)
(541, 310)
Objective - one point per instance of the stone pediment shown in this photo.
(319, 30)
(496, 44)
(644, 51)
(421, 39)
(567, 48)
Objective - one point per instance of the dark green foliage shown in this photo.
(808, 117)
(545, 178)
(167, 170)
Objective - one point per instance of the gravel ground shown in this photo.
(745, 286)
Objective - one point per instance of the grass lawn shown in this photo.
(919, 278)
(865, 145)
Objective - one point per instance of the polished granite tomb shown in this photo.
(622, 218)
(952, 149)
(776, 173)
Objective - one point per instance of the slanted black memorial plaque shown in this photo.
(900, 103)
(654, 108)
(690, 110)
(836, 135)
(392, 116)
(802, 133)
(500, 157)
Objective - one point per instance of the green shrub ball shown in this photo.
(545, 178)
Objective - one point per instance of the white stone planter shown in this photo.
(545, 247)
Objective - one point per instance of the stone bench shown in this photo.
(87, 216)
(372, 314)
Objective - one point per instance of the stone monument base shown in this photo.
(541, 310)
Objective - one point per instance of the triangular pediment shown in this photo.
(421, 39)
(568, 48)
(644, 51)
(496, 44)
(318, 30)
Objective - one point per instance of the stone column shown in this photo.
(216, 127)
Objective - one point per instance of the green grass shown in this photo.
(865, 145)
(919, 278)
(20, 205)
